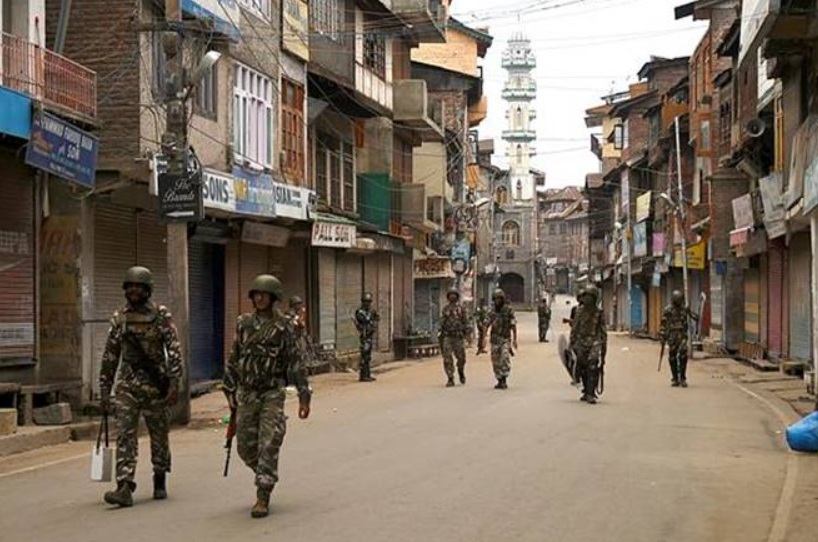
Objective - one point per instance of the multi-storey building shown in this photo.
(563, 238)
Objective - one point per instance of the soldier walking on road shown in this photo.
(481, 316)
(589, 341)
(503, 335)
(143, 337)
(454, 327)
(674, 333)
(544, 318)
(265, 359)
(366, 322)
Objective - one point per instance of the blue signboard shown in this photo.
(59, 147)
(15, 113)
(224, 14)
(255, 193)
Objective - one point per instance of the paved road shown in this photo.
(409, 460)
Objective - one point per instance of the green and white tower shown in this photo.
(519, 93)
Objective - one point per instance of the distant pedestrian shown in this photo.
(589, 342)
(503, 336)
(142, 336)
(481, 316)
(543, 318)
(674, 333)
(366, 322)
(454, 327)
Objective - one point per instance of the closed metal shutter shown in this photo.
(232, 294)
(17, 262)
(326, 296)
(349, 284)
(655, 311)
(371, 268)
(751, 306)
(123, 237)
(206, 280)
(385, 292)
(716, 303)
(775, 302)
(800, 300)
(423, 321)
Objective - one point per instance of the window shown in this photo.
(326, 18)
(511, 233)
(519, 121)
(705, 131)
(552, 229)
(292, 130)
(375, 51)
(563, 228)
(519, 189)
(159, 62)
(253, 117)
(618, 137)
(625, 131)
(259, 7)
(725, 122)
(502, 195)
(205, 94)
(335, 172)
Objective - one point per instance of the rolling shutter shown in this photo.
(800, 300)
(17, 262)
(326, 296)
(349, 282)
(206, 281)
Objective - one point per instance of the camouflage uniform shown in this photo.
(544, 318)
(454, 327)
(366, 321)
(674, 332)
(137, 389)
(502, 321)
(589, 341)
(481, 316)
(265, 359)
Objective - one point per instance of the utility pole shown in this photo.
(682, 224)
(628, 240)
(175, 149)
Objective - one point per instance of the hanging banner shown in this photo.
(658, 244)
(773, 200)
(295, 37)
(640, 239)
(254, 193)
(643, 206)
(696, 256)
(743, 212)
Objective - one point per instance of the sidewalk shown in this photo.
(206, 410)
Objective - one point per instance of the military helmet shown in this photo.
(498, 294)
(677, 297)
(366, 298)
(454, 291)
(139, 275)
(267, 284)
(591, 291)
(296, 300)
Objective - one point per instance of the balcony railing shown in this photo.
(427, 18)
(47, 76)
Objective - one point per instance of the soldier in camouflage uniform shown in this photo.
(481, 316)
(589, 341)
(143, 337)
(674, 332)
(366, 322)
(544, 318)
(454, 326)
(265, 359)
(503, 336)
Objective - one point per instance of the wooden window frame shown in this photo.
(292, 131)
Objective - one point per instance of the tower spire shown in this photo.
(519, 93)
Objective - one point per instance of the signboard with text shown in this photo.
(333, 234)
(218, 191)
(696, 255)
(254, 193)
(643, 206)
(292, 201)
(60, 148)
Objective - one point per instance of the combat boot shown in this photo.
(262, 507)
(123, 496)
(450, 383)
(502, 384)
(461, 372)
(160, 492)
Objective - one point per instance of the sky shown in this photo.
(585, 49)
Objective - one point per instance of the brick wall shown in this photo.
(102, 36)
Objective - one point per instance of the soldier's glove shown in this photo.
(173, 393)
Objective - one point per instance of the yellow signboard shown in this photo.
(696, 256)
(297, 28)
